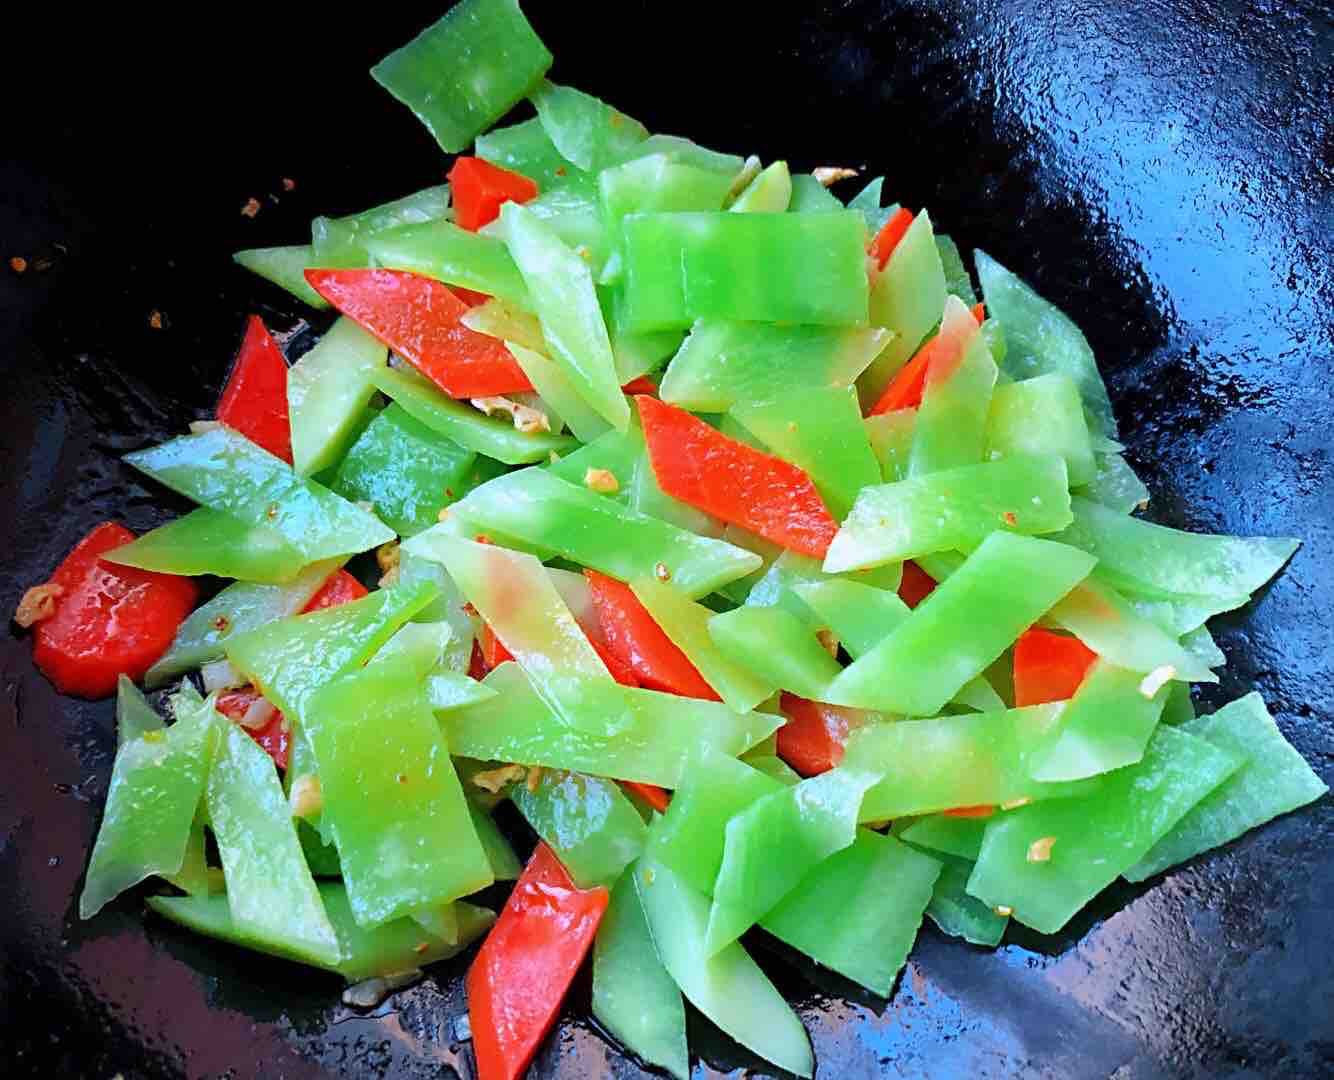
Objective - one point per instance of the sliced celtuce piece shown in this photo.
(1089, 842)
(861, 616)
(891, 436)
(226, 472)
(777, 647)
(951, 510)
(441, 250)
(769, 192)
(327, 392)
(1273, 779)
(1042, 416)
(207, 541)
(963, 626)
(723, 363)
(286, 267)
(951, 425)
(342, 242)
(551, 381)
(907, 298)
(547, 514)
(728, 988)
(645, 736)
(583, 129)
(566, 303)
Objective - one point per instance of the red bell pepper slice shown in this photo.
(906, 388)
(472, 299)
(273, 738)
(980, 313)
(491, 652)
(339, 588)
(1048, 667)
(640, 385)
(107, 620)
(254, 401)
(418, 317)
(815, 735)
(887, 239)
(733, 481)
(526, 964)
(480, 188)
(636, 640)
(656, 797)
(477, 666)
(915, 585)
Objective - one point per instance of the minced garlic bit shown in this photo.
(828, 175)
(387, 556)
(829, 640)
(257, 715)
(444, 513)
(1156, 679)
(494, 780)
(18, 263)
(198, 427)
(525, 417)
(603, 481)
(749, 170)
(534, 778)
(306, 799)
(1003, 910)
(1009, 518)
(661, 572)
(251, 207)
(1040, 849)
(156, 321)
(38, 603)
(370, 993)
(1014, 804)
(648, 875)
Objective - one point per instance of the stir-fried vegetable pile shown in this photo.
(774, 579)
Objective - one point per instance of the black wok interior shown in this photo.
(1164, 170)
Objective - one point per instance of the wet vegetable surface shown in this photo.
(1162, 172)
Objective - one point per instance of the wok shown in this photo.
(1162, 170)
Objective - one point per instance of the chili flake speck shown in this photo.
(289, 184)
(221, 624)
(251, 208)
(156, 321)
(18, 264)
(1010, 519)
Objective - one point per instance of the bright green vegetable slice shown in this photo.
(907, 298)
(547, 513)
(690, 837)
(691, 153)
(448, 606)
(646, 736)
(240, 607)
(957, 836)
(1109, 625)
(777, 647)
(957, 913)
(883, 888)
(820, 430)
(291, 658)
(1157, 561)
(1041, 339)
(868, 202)
(957, 280)
(861, 616)
(391, 797)
(972, 759)
(727, 987)
(465, 425)
(680, 267)
(467, 70)
(505, 865)
(1088, 842)
(723, 363)
(1273, 779)
(1106, 725)
(809, 196)
(618, 452)
(207, 541)
(270, 892)
(343, 242)
(558, 392)
(633, 995)
(769, 192)
(963, 626)
(952, 509)
(563, 296)
(156, 784)
(363, 952)
(814, 819)
(327, 391)
(588, 822)
(686, 624)
(583, 129)
(407, 471)
(285, 267)
(778, 585)
(225, 471)
(951, 427)
(441, 250)
(135, 717)
(1042, 416)
(891, 436)
(1115, 484)
(527, 149)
